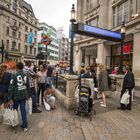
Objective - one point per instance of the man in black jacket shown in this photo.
(128, 84)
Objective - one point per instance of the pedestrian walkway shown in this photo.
(60, 124)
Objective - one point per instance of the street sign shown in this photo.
(93, 31)
(45, 39)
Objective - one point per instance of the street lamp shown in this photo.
(72, 20)
(122, 44)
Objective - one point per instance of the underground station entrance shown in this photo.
(67, 82)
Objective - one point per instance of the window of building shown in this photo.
(14, 22)
(18, 46)
(8, 19)
(19, 35)
(26, 38)
(7, 31)
(31, 30)
(34, 51)
(123, 13)
(13, 46)
(31, 50)
(35, 41)
(26, 49)
(26, 28)
(35, 33)
(14, 33)
(7, 44)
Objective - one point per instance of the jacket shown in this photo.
(19, 86)
(128, 81)
(103, 81)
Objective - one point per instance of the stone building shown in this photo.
(109, 14)
(18, 30)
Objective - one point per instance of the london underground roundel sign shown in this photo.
(46, 40)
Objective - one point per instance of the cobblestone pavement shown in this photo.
(60, 124)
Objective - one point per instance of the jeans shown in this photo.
(49, 81)
(33, 96)
(41, 88)
(22, 104)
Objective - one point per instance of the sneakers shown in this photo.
(25, 129)
(103, 105)
(37, 111)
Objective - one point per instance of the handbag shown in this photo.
(125, 98)
(11, 117)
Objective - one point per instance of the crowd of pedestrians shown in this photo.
(24, 83)
(32, 82)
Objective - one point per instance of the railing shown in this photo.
(59, 83)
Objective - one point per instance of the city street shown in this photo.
(108, 124)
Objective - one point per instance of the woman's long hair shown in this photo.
(3, 68)
(101, 67)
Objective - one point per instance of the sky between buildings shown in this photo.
(53, 12)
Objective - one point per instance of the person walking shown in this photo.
(49, 74)
(19, 92)
(32, 75)
(41, 82)
(103, 83)
(128, 84)
(5, 78)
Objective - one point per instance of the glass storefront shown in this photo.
(127, 54)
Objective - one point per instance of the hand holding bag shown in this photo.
(125, 98)
(11, 117)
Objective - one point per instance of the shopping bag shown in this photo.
(47, 106)
(29, 106)
(11, 117)
(125, 98)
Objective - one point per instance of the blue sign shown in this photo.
(31, 38)
(97, 32)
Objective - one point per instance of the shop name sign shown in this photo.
(93, 31)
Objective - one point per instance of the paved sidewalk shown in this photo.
(60, 124)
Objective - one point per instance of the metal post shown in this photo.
(2, 51)
(46, 55)
(121, 57)
(71, 49)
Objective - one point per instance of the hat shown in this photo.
(48, 86)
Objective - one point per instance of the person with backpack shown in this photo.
(19, 92)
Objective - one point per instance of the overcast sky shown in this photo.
(53, 12)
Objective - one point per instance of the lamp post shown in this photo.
(72, 20)
(122, 44)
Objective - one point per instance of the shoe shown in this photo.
(37, 111)
(103, 105)
(128, 108)
(25, 129)
(120, 108)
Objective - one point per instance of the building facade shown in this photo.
(64, 46)
(18, 30)
(53, 48)
(109, 14)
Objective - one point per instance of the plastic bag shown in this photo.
(29, 106)
(125, 98)
(47, 106)
(11, 117)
